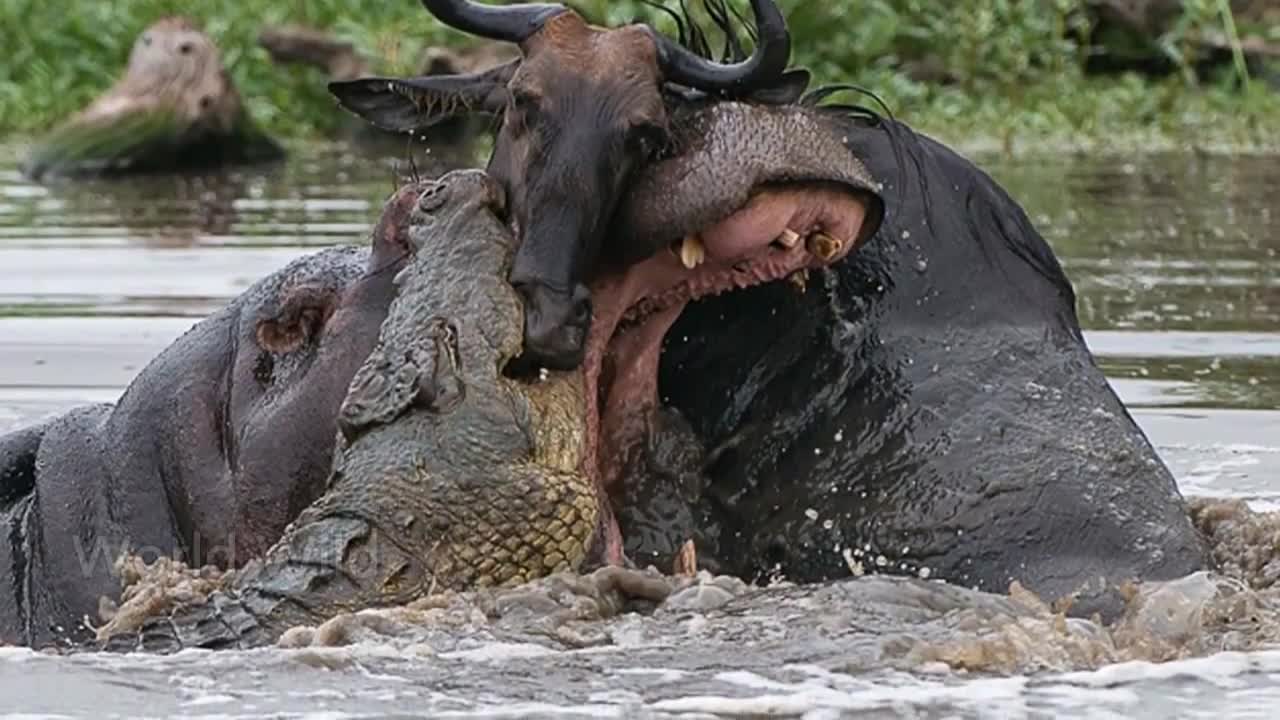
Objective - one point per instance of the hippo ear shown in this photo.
(300, 319)
(18, 452)
(414, 104)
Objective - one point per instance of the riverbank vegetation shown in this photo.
(1003, 72)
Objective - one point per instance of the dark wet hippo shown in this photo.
(927, 407)
(449, 474)
(216, 446)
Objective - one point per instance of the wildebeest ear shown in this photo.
(787, 89)
(412, 104)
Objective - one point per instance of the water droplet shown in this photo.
(811, 513)
(840, 436)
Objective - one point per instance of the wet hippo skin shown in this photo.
(927, 406)
(213, 449)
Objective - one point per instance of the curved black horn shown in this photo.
(772, 53)
(511, 23)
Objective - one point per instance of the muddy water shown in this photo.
(1178, 278)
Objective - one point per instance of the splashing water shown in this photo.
(1175, 267)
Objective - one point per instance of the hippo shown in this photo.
(925, 404)
(174, 109)
(212, 450)
(448, 474)
(229, 434)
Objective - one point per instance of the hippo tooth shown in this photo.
(692, 252)
(686, 560)
(799, 278)
(788, 239)
(823, 246)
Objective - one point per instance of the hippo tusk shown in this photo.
(692, 252)
(788, 239)
(822, 245)
(799, 279)
(686, 560)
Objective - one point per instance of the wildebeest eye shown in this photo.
(526, 107)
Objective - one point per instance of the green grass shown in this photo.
(1016, 74)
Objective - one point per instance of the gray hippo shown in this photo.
(927, 405)
(214, 448)
(448, 474)
(228, 435)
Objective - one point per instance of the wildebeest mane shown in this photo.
(726, 20)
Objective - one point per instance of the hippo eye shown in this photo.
(264, 368)
(186, 48)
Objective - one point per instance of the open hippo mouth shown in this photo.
(783, 232)
(713, 219)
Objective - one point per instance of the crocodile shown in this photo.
(448, 472)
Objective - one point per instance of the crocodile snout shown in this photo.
(456, 195)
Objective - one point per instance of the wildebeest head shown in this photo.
(582, 109)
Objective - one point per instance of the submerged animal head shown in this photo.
(581, 110)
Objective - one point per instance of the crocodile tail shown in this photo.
(221, 622)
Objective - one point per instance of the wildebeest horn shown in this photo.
(772, 53)
(512, 23)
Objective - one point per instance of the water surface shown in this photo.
(1178, 282)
